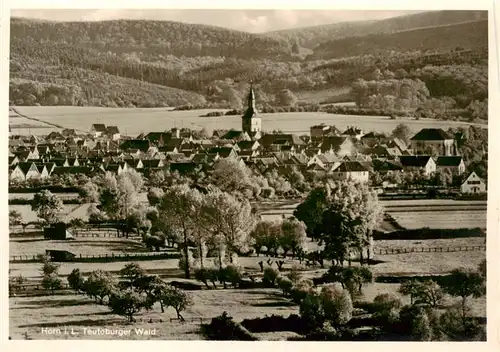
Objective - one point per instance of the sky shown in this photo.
(255, 21)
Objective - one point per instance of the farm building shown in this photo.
(473, 184)
(57, 231)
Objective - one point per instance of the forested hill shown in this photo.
(309, 37)
(155, 64)
(152, 40)
(468, 35)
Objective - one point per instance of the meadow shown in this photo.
(132, 122)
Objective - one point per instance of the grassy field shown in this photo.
(441, 220)
(135, 121)
(81, 245)
(33, 315)
(70, 211)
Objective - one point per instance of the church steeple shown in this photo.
(251, 99)
(251, 122)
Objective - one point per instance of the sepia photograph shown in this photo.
(248, 175)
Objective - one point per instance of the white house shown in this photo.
(473, 184)
(350, 170)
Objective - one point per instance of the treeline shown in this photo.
(466, 35)
(153, 39)
(309, 37)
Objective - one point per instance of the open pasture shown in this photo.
(454, 242)
(70, 211)
(31, 314)
(445, 219)
(135, 121)
(80, 245)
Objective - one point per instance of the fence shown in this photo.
(429, 250)
(101, 257)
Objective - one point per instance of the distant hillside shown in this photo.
(152, 39)
(469, 35)
(309, 37)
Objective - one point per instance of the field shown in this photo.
(135, 121)
(32, 315)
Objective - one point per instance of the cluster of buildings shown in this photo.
(348, 154)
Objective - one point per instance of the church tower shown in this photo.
(251, 123)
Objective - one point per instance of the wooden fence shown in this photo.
(429, 250)
(101, 257)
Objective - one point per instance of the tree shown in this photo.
(15, 218)
(293, 236)
(131, 272)
(428, 292)
(409, 287)
(353, 279)
(465, 283)
(99, 285)
(47, 206)
(48, 267)
(127, 303)
(311, 210)
(482, 268)
(154, 195)
(231, 176)
(89, 192)
(266, 234)
(76, 280)
(177, 299)
(352, 213)
(229, 217)
(51, 282)
(179, 208)
(402, 132)
(286, 98)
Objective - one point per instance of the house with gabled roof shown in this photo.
(136, 144)
(158, 138)
(98, 129)
(55, 136)
(322, 130)
(340, 146)
(13, 160)
(350, 170)
(455, 164)
(473, 184)
(433, 141)
(24, 172)
(423, 163)
(113, 133)
(353, 132)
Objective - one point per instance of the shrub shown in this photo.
(300, 290)
(337, 305)
(387, 307)
(223, 328)
(311, 310)
(419, 322)
(232, 274)
(16, 284)
(75, 280)
(294, 274)
(270, 276)
(285, 284)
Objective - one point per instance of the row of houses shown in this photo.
(351, 155)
